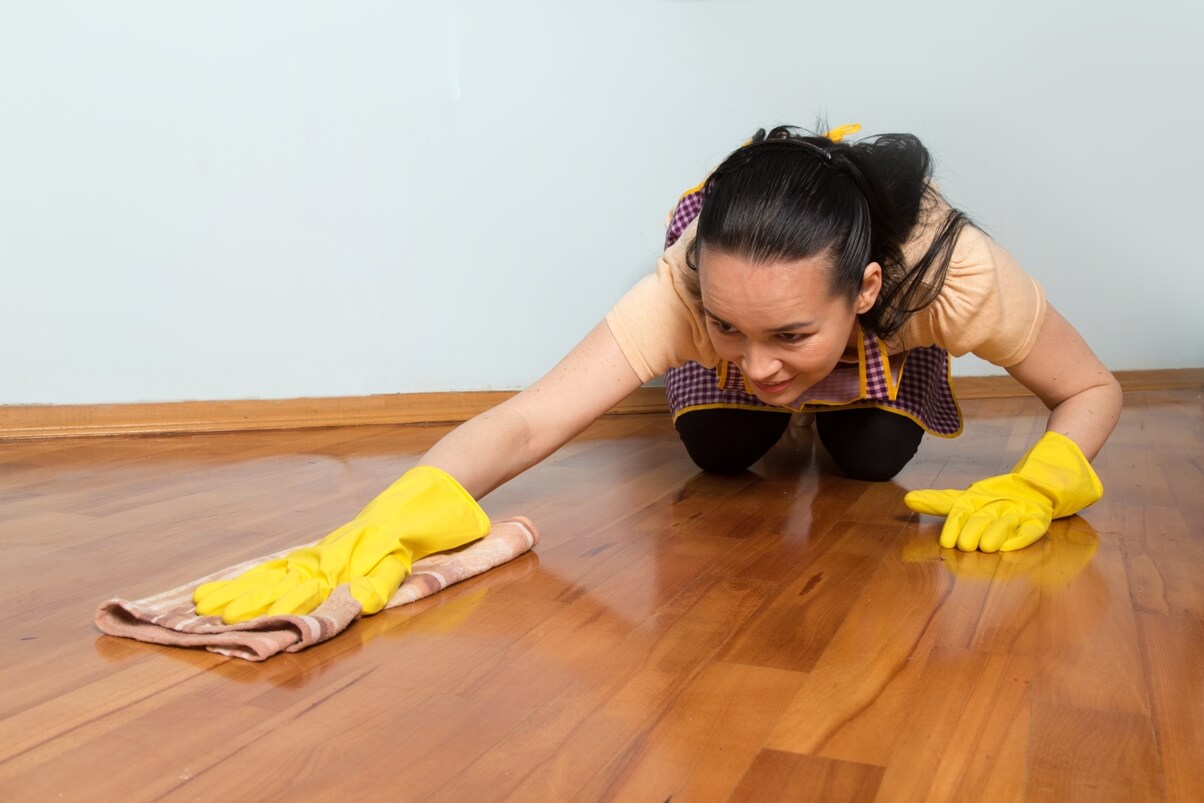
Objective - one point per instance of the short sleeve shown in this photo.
(987, 306)
(658, 323)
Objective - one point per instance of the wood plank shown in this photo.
(1091, 756)
(983, 756)
(861, 689)
(971, 730)
(789, 777)
(784, 631)
(1173, 648)
(701, 746)
(1088, 653)
(1162, 553)
(797, 625)
(569, 746)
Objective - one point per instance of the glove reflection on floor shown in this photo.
(1070, 548)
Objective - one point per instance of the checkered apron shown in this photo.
(922, 392)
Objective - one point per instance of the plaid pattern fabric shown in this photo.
(876, 385)
(696, 386)
(688, 207)
(924, 393)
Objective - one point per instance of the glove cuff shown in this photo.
(430, 483)
(1057, 467)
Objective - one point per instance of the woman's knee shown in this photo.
(869, 444)
(727, 441)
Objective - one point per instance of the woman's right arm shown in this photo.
(499, 444)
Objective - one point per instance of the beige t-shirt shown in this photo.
(987, 306)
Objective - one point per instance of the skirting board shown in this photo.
(70, 421)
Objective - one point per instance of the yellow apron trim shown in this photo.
(832, 402)
(824, 403)
(691, 191)
(894, 377)
(905, 414)
(961, 419)
(894, 391)
(804, 409)
(861, 360)
(721, 375)
(891, 390)
(729, 406)
(697, 188)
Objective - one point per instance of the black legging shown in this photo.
(866, 443)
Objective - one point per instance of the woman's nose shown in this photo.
(760, 365)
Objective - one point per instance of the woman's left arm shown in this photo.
(1082, 395)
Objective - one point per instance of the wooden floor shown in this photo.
(782, 635)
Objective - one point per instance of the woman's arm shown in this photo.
(501, 443)
(373, 553)
(1082, 395)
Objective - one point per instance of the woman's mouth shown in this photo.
(771, 390)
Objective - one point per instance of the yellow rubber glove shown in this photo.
(1052, 480)
(425, 511)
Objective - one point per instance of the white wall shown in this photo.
(278, 199)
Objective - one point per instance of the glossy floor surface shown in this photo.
(785, 634)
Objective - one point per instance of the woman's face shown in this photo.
(778, 321)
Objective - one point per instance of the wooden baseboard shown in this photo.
(69, 421)
(79, 420)
(1004, 387)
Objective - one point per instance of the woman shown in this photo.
(807, 274)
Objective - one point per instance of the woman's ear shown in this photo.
(871, 285)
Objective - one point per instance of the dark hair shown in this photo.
(788, 195)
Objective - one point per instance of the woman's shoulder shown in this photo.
(987, 303)
(659, 322)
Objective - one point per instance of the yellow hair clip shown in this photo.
(840, 132)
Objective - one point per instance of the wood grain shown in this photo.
(785, 777)
(782, 634)
(1172, 646)
(1078, 754)
(78, 420)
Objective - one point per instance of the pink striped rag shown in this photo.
(169, 618)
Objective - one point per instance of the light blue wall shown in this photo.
(279, 199)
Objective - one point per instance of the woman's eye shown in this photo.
(722, 328)
(792, 337)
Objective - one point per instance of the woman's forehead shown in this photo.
(770, 295)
